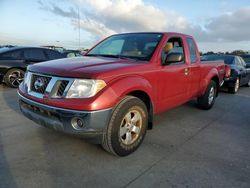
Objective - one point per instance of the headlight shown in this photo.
(85, 88)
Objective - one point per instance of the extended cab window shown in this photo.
(192, 50)
(173, 45)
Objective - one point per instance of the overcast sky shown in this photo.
(217, 25)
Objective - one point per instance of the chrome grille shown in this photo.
(39, 83)
(62, 88)
(52, 86)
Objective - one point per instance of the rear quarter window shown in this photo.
(192, 50)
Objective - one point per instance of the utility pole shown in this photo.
(79, 28)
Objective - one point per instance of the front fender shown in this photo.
(119, 88)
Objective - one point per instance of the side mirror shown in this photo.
(173, 58)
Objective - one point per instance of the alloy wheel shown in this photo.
(130, 127)
(211, 95)
(237, 85)
(15, 78)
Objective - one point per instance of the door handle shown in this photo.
(186, 71)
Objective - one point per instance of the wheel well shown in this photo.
(146, 99)
(216, 79)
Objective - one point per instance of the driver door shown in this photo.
(174, 77)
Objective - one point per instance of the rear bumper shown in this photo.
(64, 120)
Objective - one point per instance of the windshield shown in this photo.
(140, 46)
(227, 59)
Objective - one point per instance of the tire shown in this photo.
(13, 77)
(206, 101)
(236, 86)
(122, 137)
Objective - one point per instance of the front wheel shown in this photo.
(207, 100)
(127, 127)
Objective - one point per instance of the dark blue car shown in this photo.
(246, 58)
(14, 61)
(240, 71)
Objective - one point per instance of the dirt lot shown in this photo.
(188, 147)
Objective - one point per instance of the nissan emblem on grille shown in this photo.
(38, 84)
(43, 86)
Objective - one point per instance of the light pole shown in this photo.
(79, 27)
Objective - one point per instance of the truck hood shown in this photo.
(84, 67)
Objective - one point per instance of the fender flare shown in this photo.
(212, 75)
(130, 85)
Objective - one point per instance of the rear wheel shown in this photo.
(236, 86)
(14, 77)
(127, 127)
(207, 100)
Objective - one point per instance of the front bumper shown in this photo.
(59, 119)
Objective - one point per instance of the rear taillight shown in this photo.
(227, 71)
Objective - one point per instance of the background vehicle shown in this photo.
(14, 60)
(56, 48)
(240, 74)
(112, 93)
(246, 59)
(6, 46)
(72, 53)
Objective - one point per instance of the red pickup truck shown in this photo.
(111, 95)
